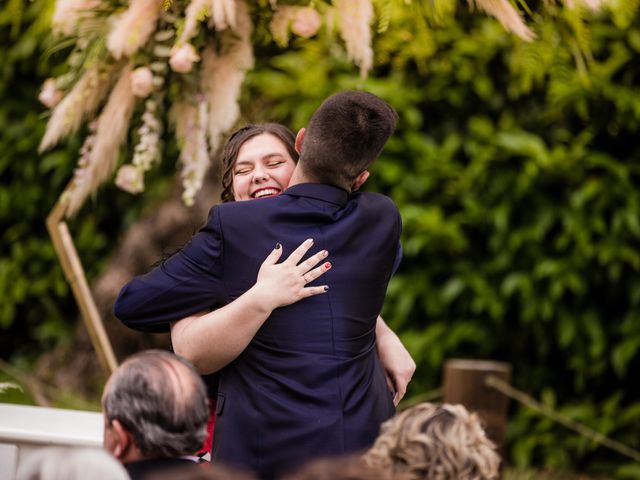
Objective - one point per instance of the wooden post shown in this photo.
(464, 383)
(74, 273)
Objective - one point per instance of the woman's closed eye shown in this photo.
(242, 171)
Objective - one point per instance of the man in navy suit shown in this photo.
(309, 383)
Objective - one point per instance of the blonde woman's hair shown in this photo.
(435, 442)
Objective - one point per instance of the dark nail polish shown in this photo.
(278, 246)
(326, 287)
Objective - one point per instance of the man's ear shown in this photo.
(299, 138)
(360, 179)
(122, 440)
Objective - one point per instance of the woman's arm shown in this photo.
(213, 340)
(395, 359)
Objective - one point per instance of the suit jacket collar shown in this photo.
(319, 191)
(141, 469)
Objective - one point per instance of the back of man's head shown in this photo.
(344, 136)
(160, 400)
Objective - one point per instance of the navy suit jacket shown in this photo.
(309, 384)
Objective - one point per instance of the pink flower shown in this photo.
(129, 179)
(141, 82)
(50, 96)
(306, 22)
(183, 58)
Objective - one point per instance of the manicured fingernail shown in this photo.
(310, 240)
(278, 246)
(326, 288)
(325, 253)
(327, 265)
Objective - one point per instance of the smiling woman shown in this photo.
(258, 162)
(263, 168)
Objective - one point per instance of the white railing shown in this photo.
(24, 429)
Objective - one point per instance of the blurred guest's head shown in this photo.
(213, 471)
(155, 406)
(71, 464)
(431, 441)
(350, 467)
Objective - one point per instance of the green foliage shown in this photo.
(12, 392)
(37, 309)
(515, 169)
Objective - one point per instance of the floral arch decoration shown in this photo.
(137, 66)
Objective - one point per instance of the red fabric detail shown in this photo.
(208, 441)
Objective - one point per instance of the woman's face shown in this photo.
(263, 168)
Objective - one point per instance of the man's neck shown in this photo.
(133, 455)
(299, 177)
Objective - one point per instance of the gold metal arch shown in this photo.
(75, 275)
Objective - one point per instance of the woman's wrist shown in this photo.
(383, 331)
(260, 300)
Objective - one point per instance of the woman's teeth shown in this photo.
(265, 193)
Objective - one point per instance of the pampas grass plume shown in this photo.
(355, 30)
(507, 15)
(279, 25)
(133, 28)
(81, 102)
(111, 132)
(194, 14)
(223, 14)
(222, 76)
(69, 13)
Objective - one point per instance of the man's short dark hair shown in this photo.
(161, 400)
(344, 136)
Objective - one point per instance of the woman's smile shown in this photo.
(265, 192)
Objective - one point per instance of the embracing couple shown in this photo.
(308, 368)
